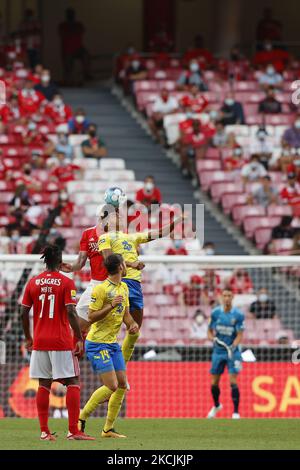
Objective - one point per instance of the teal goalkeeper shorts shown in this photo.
(104, 357)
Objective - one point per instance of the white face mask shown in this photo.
(58, 101)
(80, 119)
(32, 126)
(149, 186)
(209, 251)
(45, 78)
(194, 67)
(15, 238)
(297, 124)
(263, 297)
(135, 64)
(229, 101)
(270, 70)
(268, 47)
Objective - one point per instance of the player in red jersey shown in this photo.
(88, 251)
(53, 298)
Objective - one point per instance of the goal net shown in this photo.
(169, 374)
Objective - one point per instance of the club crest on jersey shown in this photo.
(126, 246)
(102, 240)
(73, 294)
(93, 300)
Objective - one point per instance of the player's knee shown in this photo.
(113, 387)
(122, 383)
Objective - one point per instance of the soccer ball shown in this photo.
(114, 196)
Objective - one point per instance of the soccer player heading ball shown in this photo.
(226, 331)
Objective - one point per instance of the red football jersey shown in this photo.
(49, 293)
(89, 243)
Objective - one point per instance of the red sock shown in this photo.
(73, 405)
(42, 403)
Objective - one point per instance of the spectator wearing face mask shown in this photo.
(14, 246)
(199, 52)
(269, 105)
(58, 111)
(199, 326)
(46, 87)
(220, 138)
(194, 102)
(263, 308)
(79, 124)
(192, 76)
(63, 144)
(33, 137)
(34, 238)
(262, 146)
(94, 146)
(209, 249)
(64, 171)
(177, 248)
(234, 161)
(30, 100)
(232, 111)
(149, 194)
(30, 180)
(290, 194)
(193, 144)
(135, 71)
(291, 136)
(269, 54)
(270, 78)
(266, 193)
(254, 170)
(163, 105)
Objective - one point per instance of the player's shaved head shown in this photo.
(113, 263)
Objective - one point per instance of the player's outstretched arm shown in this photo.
(26, 326)
(77, 265)
(166, 229)
(73, 320)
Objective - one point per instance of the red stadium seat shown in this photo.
(208, 164)
(218, 189)
(262, 237)
(228, 201)
(252, 222)
(240, 212)
(208, 177)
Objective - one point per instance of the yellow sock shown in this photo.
(101, 395)
(128, 346)
(114, 406)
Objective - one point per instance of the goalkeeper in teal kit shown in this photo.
(226, 331)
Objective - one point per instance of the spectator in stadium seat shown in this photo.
(284, 229)
(291, 136)
(263, 308)
(220, 138)
(234, 161)
(290, 194)
(194, 102)
(63, 144)
(150, 194)
(94, 146)
(199, 52)
(192, 292)
(240, 282)
(268, 27)
(58, 111)
(30, 99)
(192, 148)
(14, 246)
(270, 78)
(266, 193)
(232, 111)
(79, 124)
(209, 249)
(211, 287)
(35, 233)
(192, 76)
(71, 34)
(134, 72)
(64, 171)
(262, 146)
(46, 87)
(198, 326)
(253, 170)
(269, 105)
(164, 105)
(177, 248)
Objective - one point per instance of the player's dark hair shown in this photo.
(112, 263)
(228, 289)
(52, 256)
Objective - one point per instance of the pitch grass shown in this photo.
(161, 434)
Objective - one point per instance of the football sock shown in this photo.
(42, 403)
(100, 395)
(128, 346)
(215, 391)
(114, 406)
(235, 394)
(73, 406)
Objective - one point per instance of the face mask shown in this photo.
(149, 186)
(80, 119)
(130, 50)
(194, 67)
(214, 115)
(209, 251)
(297, 162)
(177, 244)
(58, 101)
(62, 139)
(45, 78)
(135, 64)
(270, 70)
(261, 136)
(297, 124)
(35, 237)
(268, 47)
(199, 319)
(229, 101)
(15, 238)
(63, 197)
(263, 297)
(237, 152)
(32, 126)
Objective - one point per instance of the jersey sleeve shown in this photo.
(213, 319)
(27, 300)
(139, 238)
(70, 293)
(97, 298)
(84, 242)
(240, 324)
(104, 242)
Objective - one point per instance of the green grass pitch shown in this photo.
(161, 434)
